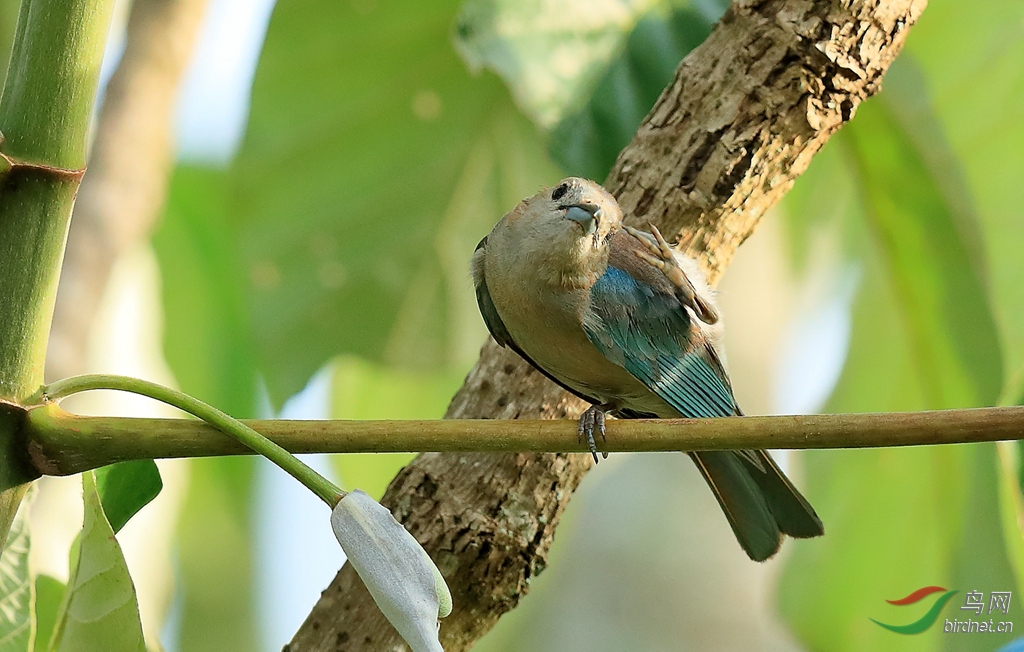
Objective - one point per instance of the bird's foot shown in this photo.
(660, 254)
(594, 416)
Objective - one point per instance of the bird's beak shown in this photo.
(585, 214)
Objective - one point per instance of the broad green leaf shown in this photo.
(17, 590)
(895, 519)
(206, 329)
(49, 596)
(363, 390)
(100, 611)
(372, 164)
(127, 487)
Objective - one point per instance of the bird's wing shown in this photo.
(648, 332)
(483, 298)
(497, 327)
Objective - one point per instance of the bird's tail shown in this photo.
(758, 499)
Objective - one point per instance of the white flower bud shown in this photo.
(403, 580)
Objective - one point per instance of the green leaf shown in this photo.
(17, 592)
(372, 164)
(127, 487)
(100, 611)
(363, 390)
(49, 596)
(549, 53)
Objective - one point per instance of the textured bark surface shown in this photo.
(123, 194)
(741, 120)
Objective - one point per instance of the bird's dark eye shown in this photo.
(557, 193)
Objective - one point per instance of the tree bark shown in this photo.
(741, 120)
(123, 194)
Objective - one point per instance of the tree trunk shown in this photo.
(741, 120)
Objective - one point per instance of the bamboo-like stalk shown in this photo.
(45, 113)
(61, 443)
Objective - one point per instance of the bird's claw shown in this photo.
(660, 254)
(594, 416)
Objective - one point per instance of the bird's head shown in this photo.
(577, 210)
(566, 227)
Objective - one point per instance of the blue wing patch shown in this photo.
(651, 335)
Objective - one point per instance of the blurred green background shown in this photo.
(322, 230)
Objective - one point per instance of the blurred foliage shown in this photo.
(215, 556)
(589, 73)
(373, 162)
(206, 336)
(932, 329)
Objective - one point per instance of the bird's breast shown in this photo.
(546, 323)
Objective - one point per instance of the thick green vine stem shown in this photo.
(227, 424)
(45, 114)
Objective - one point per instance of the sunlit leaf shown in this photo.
(17, 592)
(100, 611)
(587, 71)
(549, 53)
(924, 244)
(49, 596)
(587, 139)
(127, 487)
(208, 345)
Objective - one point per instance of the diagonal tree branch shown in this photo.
(741, 120)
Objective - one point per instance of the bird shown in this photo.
(618, 318)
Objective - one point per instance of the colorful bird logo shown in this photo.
(929, 618)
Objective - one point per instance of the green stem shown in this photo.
(45, 112)
(63, 443)
(227, 424)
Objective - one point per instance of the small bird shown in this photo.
(619, 319)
